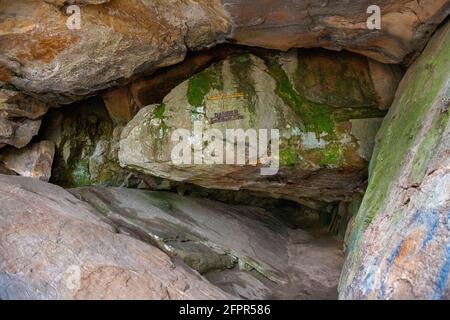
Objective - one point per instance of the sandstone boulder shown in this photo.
(53, 246)
(19, 117)
(14, 104)
(405, 25)
(120, 105)
(34, 161)
(325, 106)
(399, 244)
(116, 40)
(120, 39)
(18, 132)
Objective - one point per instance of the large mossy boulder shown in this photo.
(326, 106)
(400, 243)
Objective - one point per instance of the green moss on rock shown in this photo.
(201, 83)
(85, 147)
(405, 132)
(241, 68)
(79, 175)
(332, 155)
(339, 80)
(316, 117)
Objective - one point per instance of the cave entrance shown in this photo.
(279, 237)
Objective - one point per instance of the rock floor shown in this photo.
(314, 265)
(246, 251)
(116, 243)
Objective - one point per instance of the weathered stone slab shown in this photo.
(400, 241)
(246, 251)
(118, 40)
(254, 239)
(19, 117)
(53, 246)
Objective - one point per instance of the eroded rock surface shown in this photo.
(86, 143)
(313, 265)
(116, 40)
(325, 105)
(53, 246)
(102, 244)
(34, 161)
(183, 225)
(236, 247)
(120, 39)
(152, 89)
(120, 105)
(127, 244)
(405, 25)
(20, 117)
(400, 243)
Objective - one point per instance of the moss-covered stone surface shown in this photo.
(86, 146)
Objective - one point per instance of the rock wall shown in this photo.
(20, 117)
(405, 25)
(119, 39)
(86, 145)
(34, 161)
(328, 107)
(400, 243)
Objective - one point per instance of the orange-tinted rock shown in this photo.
(120, 104)
(119, 40)
(116, 41)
